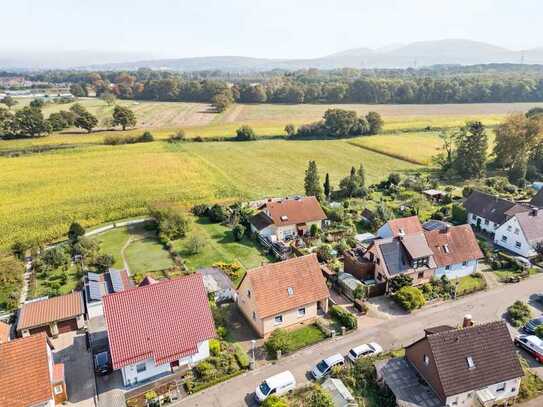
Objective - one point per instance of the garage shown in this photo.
(67, 326)
(40, 329)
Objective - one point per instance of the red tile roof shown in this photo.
(25, 379)
(4, 332)
(409, 225)
(460, 241)
(39, 313)
(165, 321)
(294, 211)
(271, 282)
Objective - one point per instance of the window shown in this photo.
(278, 319)
(501, 387)
(513, 389)
(426, 360)
(464, 263)
(509, 227)
(58, 389)
(446, 248)
(421, 274)
(290, 291)
(504, 238)
(518, 244)
(471, 363)
(448, 267)
(516, 231)
(254, 315)
(140, 367)
(248, 293)
(301, 312)
(486, 222)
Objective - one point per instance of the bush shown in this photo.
(214, 347)
(274, 401)
(519, 313)
(324, 253)
(459, 214)
(75, 231)
(245, 133)
(409, 298)
(278, 340)
(146, 137)
(238, 231)
(539, 331)
(216, 213)
(344, 317)
(318, 397)
(206, 371)
(172, 223)
(200, 210)
(178, 136)
(195, 244)
(400, 281)
(241, 356)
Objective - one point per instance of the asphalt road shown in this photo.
(391, 334)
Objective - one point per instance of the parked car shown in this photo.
(531, 344)
(362, 351)
(278, 385)
(531, 325)
(324, 367)
(102, 363)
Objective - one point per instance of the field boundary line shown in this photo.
(391, 155)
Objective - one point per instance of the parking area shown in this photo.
(71, 349)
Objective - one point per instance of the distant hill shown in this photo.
(419, 54)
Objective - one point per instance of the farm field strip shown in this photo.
(41, 194)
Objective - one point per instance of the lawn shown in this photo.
(220, 247)
(504, 274)
(147, 255)
(305, 336)
(470, 284)
(41, 194)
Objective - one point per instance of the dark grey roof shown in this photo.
(488, 207)
(260, 221)
(537, 200)
(394, 257)
(490, 348)
(432, 224)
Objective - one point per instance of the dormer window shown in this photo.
(284, 218)
(426, 360)
(471, 363)
(290, 291)
(446, 249)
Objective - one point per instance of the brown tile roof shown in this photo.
(4, 332)
(416, 245)
(460, 242)
(296, 210)
(531, 224)
(489, 346)
(271, 283)
(43, 312)
(409, 225)
(166, 321)
(25, 379)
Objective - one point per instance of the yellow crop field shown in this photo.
(40, 194)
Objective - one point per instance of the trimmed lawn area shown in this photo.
(506, 273)
(470, 284)
(220, 246)
(305, 336)
(112, 242)
(147, 255)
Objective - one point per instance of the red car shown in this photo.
(531, 344)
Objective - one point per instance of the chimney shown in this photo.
(401, 234)
(468, 321)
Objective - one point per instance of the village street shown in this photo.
(391, 334)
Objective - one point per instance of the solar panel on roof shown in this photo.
(93, 276)
(95, 293)
(116, 280)
(434, 224)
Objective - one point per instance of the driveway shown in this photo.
(484, 306)
(71, 349)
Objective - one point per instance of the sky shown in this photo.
(258, 28)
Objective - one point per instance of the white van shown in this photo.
(279, 384)
(325, 366)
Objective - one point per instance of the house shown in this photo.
(98, 285)
(287, 218)
(472, 366)
(422, 252)
(157, 328)
(455, 248)
(488, 212)
(341, 396)
(54, 316)
(28, 377)
(284, 294)
(521, 233)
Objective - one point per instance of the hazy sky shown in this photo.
(272, 28)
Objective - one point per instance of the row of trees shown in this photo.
(30, 121)
(353, 185)
(518, 149)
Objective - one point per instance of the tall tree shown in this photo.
(29, 122)
(471, 150)
(312, 182)
(375, 122)
(124, 117)
(516, 137)
(327, 186)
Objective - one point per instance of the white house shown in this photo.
(521, 233)
(159, 327)
(287, 218)
(487, 212)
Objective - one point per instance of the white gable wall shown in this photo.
(485, 224)
(457, 270)
(469, 399)
(510, 236)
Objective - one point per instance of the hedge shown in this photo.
(202, 386)
(346, 319)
